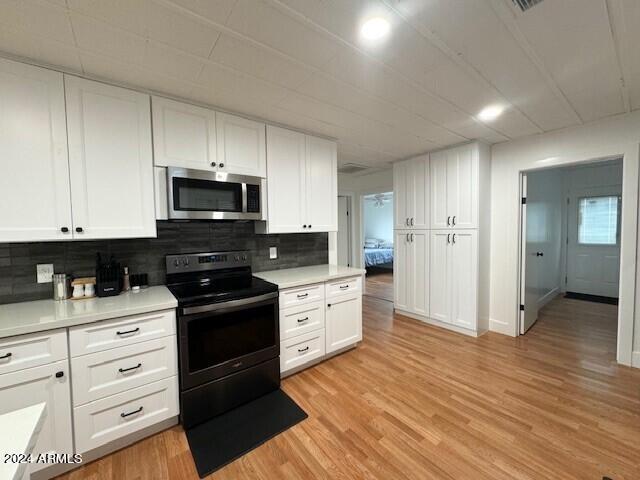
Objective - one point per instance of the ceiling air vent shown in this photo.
(352, 168)
(525, 5)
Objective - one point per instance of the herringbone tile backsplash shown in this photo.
(147, 255)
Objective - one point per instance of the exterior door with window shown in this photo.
(593, 250)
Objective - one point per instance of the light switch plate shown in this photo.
(273, 253)
(45, 272)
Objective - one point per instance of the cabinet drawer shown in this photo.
(108, 334)
(301, 319)
(113, 371)
(344, 285)
(302, 349)
(108, 419)
(300, 295)
(32, 350)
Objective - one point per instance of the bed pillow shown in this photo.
(371, 243)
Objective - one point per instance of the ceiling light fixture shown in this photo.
(375, 28)
(490, 113)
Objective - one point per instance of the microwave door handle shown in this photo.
(244, 197)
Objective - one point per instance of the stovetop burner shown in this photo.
(203, 278)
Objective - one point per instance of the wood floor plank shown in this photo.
(415, 401)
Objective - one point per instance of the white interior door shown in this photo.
(593, 250)
(439, 277)
(529, 278)
(344, 231)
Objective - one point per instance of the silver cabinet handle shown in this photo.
(448, 238)
(453, 220)
(454, 238)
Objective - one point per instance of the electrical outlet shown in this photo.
(273, 253)
(44, 272)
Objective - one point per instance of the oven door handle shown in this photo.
(230, 304)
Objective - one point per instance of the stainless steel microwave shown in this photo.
(203, 195)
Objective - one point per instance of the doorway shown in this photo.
(378, 251)
(570, 249)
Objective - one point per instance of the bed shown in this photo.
(378, 257)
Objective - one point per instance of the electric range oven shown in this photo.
(228, 333)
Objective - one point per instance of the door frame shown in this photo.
(350, 236)
(628, 245)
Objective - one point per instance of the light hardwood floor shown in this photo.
(417, 402)
(379, 285)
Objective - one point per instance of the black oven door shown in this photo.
(219, 339)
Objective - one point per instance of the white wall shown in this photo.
(545, 200)
(355, 187)
(614, 136)
(378, 221)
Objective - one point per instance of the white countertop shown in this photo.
(294, 277)
(20, 431)
(40, 315)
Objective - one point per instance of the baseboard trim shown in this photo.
(635, 359)
(501, 327)
(542, 301)
(437, 323)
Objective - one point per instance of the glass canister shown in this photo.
(61, 286)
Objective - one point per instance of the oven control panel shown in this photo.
(195, 262)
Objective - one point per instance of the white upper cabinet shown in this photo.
(33, 149)
(411, 188)
(322, 185)
(454, 187)
(302, 180)
(286, 180)
(241, 146)
(110, 159)
(183, 135)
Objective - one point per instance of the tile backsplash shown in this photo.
(147, 255)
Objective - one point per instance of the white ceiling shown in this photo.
(301, 62)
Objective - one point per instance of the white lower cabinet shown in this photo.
(113, 417)
(114, 371)
(454, 277)
(49, 384)
(319, 319)
(411, 274)
(302, 349)
(343, 322)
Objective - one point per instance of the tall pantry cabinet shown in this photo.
(442, 238)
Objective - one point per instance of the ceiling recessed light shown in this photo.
(375, 28)
(490, 113)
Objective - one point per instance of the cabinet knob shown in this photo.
(309, 225)
(213, 164)
(64, 229)
(304, 226)
(221, 165)
(59, 374)
(328, 305)
(79, 229)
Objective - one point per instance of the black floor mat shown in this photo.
(592, 298)
(229, 436)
